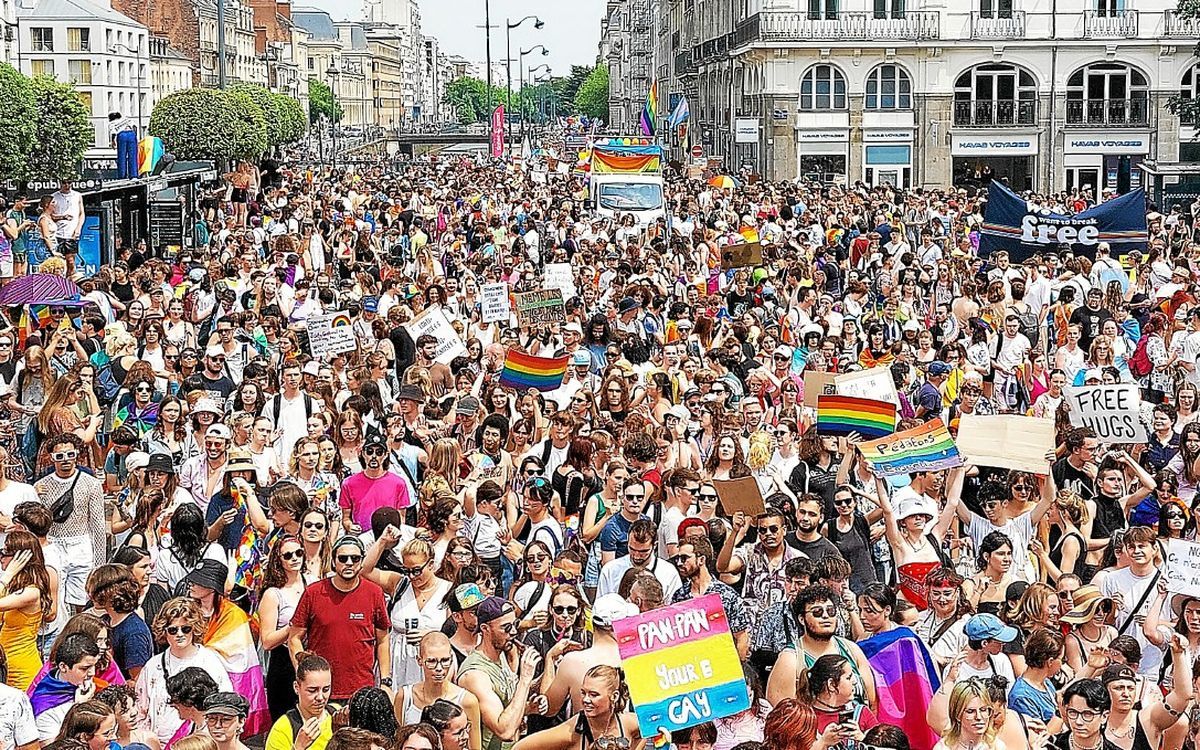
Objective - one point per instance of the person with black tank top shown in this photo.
(1131, 727)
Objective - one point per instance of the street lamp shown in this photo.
(521, 70)
(508, 27)
(333, 73)
(137, 55)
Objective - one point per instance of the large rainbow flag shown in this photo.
(650, 110)
(925, 448)
(230, 636)
(842, 415)
(524, 371)
(907, 680)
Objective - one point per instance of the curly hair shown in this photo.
(274, 575)
(114, 586)
(440, 513)
(179, 608)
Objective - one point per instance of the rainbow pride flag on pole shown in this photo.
(842, 415)
(650, 111)
(925, 448)
(524, 371)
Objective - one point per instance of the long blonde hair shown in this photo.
(960, 697)
(57, 398)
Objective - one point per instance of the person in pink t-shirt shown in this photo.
(373, 487)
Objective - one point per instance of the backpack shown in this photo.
(1139, 364)
(277, 404)
(1027, 323)
(107, 386)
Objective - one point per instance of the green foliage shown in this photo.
(1188, 8)
(210, 124)
(64, 130)
(268, 104)
(18, 126)
(471, 100)
(294, 122)
(592, 97)
(321, 102)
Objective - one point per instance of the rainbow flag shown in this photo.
(150, 151)
(907, 680)
(142, 422)
(925, 448)
(524, 371)
(842, 415)
(650, 111)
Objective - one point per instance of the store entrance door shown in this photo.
(1083, 177)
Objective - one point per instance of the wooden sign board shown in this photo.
(740, 495)
(818, 383)
(741, 255)
(1006, 441)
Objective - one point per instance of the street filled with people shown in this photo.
(225, 527)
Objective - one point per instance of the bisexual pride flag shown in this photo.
(907, 680)
(681, 665)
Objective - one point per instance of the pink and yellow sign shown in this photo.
(681, 665)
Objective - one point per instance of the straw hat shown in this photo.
(1087, 600)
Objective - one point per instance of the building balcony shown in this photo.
(791, 26)
(1120, 24)
(1176, 25)
(1104, 112)
(995, 26)
(995, 113)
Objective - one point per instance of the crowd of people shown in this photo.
(211, 535)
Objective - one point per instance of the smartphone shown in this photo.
(846, 716)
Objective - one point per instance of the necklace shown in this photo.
(1122, 734)
(1076, 746)
(916, 547)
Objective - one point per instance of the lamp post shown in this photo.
(521, 70)
(545, 69)
(508, 27)
(137, 54)
(333, 73)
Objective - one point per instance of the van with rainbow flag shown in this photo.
(625, 177)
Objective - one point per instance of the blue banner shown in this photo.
(88, 260)
(1023, 229)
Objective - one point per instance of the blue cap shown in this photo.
(987, 626)
(581, 357)
(938, 368)
(370, 304)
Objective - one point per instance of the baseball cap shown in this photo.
(214, 351)
(573, 327)
(312, 367)
(1093, 374)
(581, 358)
(1117, 673)
(465, 596)
(219, 431)
(493, 608)
(610, 608)
(938, 368)
(137, 460)
(467, 405)
(986, 626)
(680, 412)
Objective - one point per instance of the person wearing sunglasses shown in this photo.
(344, 619)
(565, 623)
(503, 703)
(372, 488)
(180, 626)
(76, 503)
(536, 523)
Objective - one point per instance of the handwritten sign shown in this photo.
(541, 307)
(741, 255)
(875, 384)
(433, 321)
(330, 334)
(925, 448)
(1006, 441)
(560, 276)
(681, 665)
(1113, 411)
(493, 303)
(1183, 567)
(740, 495)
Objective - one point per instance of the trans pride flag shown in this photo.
(906, 681)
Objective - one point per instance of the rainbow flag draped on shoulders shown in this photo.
(906, 680)
(524, 371)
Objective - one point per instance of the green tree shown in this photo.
(270, 107)
(568, 86)
(294, 121)
(210, 124)
(64, 130)
(322, 102)
(592, 97)
(18, 127)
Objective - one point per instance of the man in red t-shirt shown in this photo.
(345, 620)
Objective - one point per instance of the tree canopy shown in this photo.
(63, 128)
(18, 127)
(592, 97)
(204, 123)
(322, 102)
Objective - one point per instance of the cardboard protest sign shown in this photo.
(494, 303)
(740, 495)
(741, 255)
(875, 384)
(1183, 567)
(925, 448)
(1113, 411)
(434, 322)
(817, 384)
(842, 415)
(560, 276)
(1006, 441)
(330, 334)
(541, 307)
(681, 665)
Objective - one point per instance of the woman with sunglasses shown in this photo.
(282, 584)
(28, 600)
(416, 594)
(315, 531)
(180, 627)
(137, 407)
(565, 623)
(534, 585)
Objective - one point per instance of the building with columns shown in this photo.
(1049, 94)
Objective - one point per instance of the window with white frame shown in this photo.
(888, 87)
(823, 87)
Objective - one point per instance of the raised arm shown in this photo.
(954, 505)
(890, 529)
(1044, 502)
(1164, 715)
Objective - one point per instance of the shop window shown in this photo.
(823, 87)
(888, 87)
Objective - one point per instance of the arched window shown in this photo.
(889, 87)
(1189, 90)
(823, 87)
(1108, 93)
(995, 95)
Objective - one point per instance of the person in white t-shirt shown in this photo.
(1131, 590)
(17, 728)
(994, 499)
